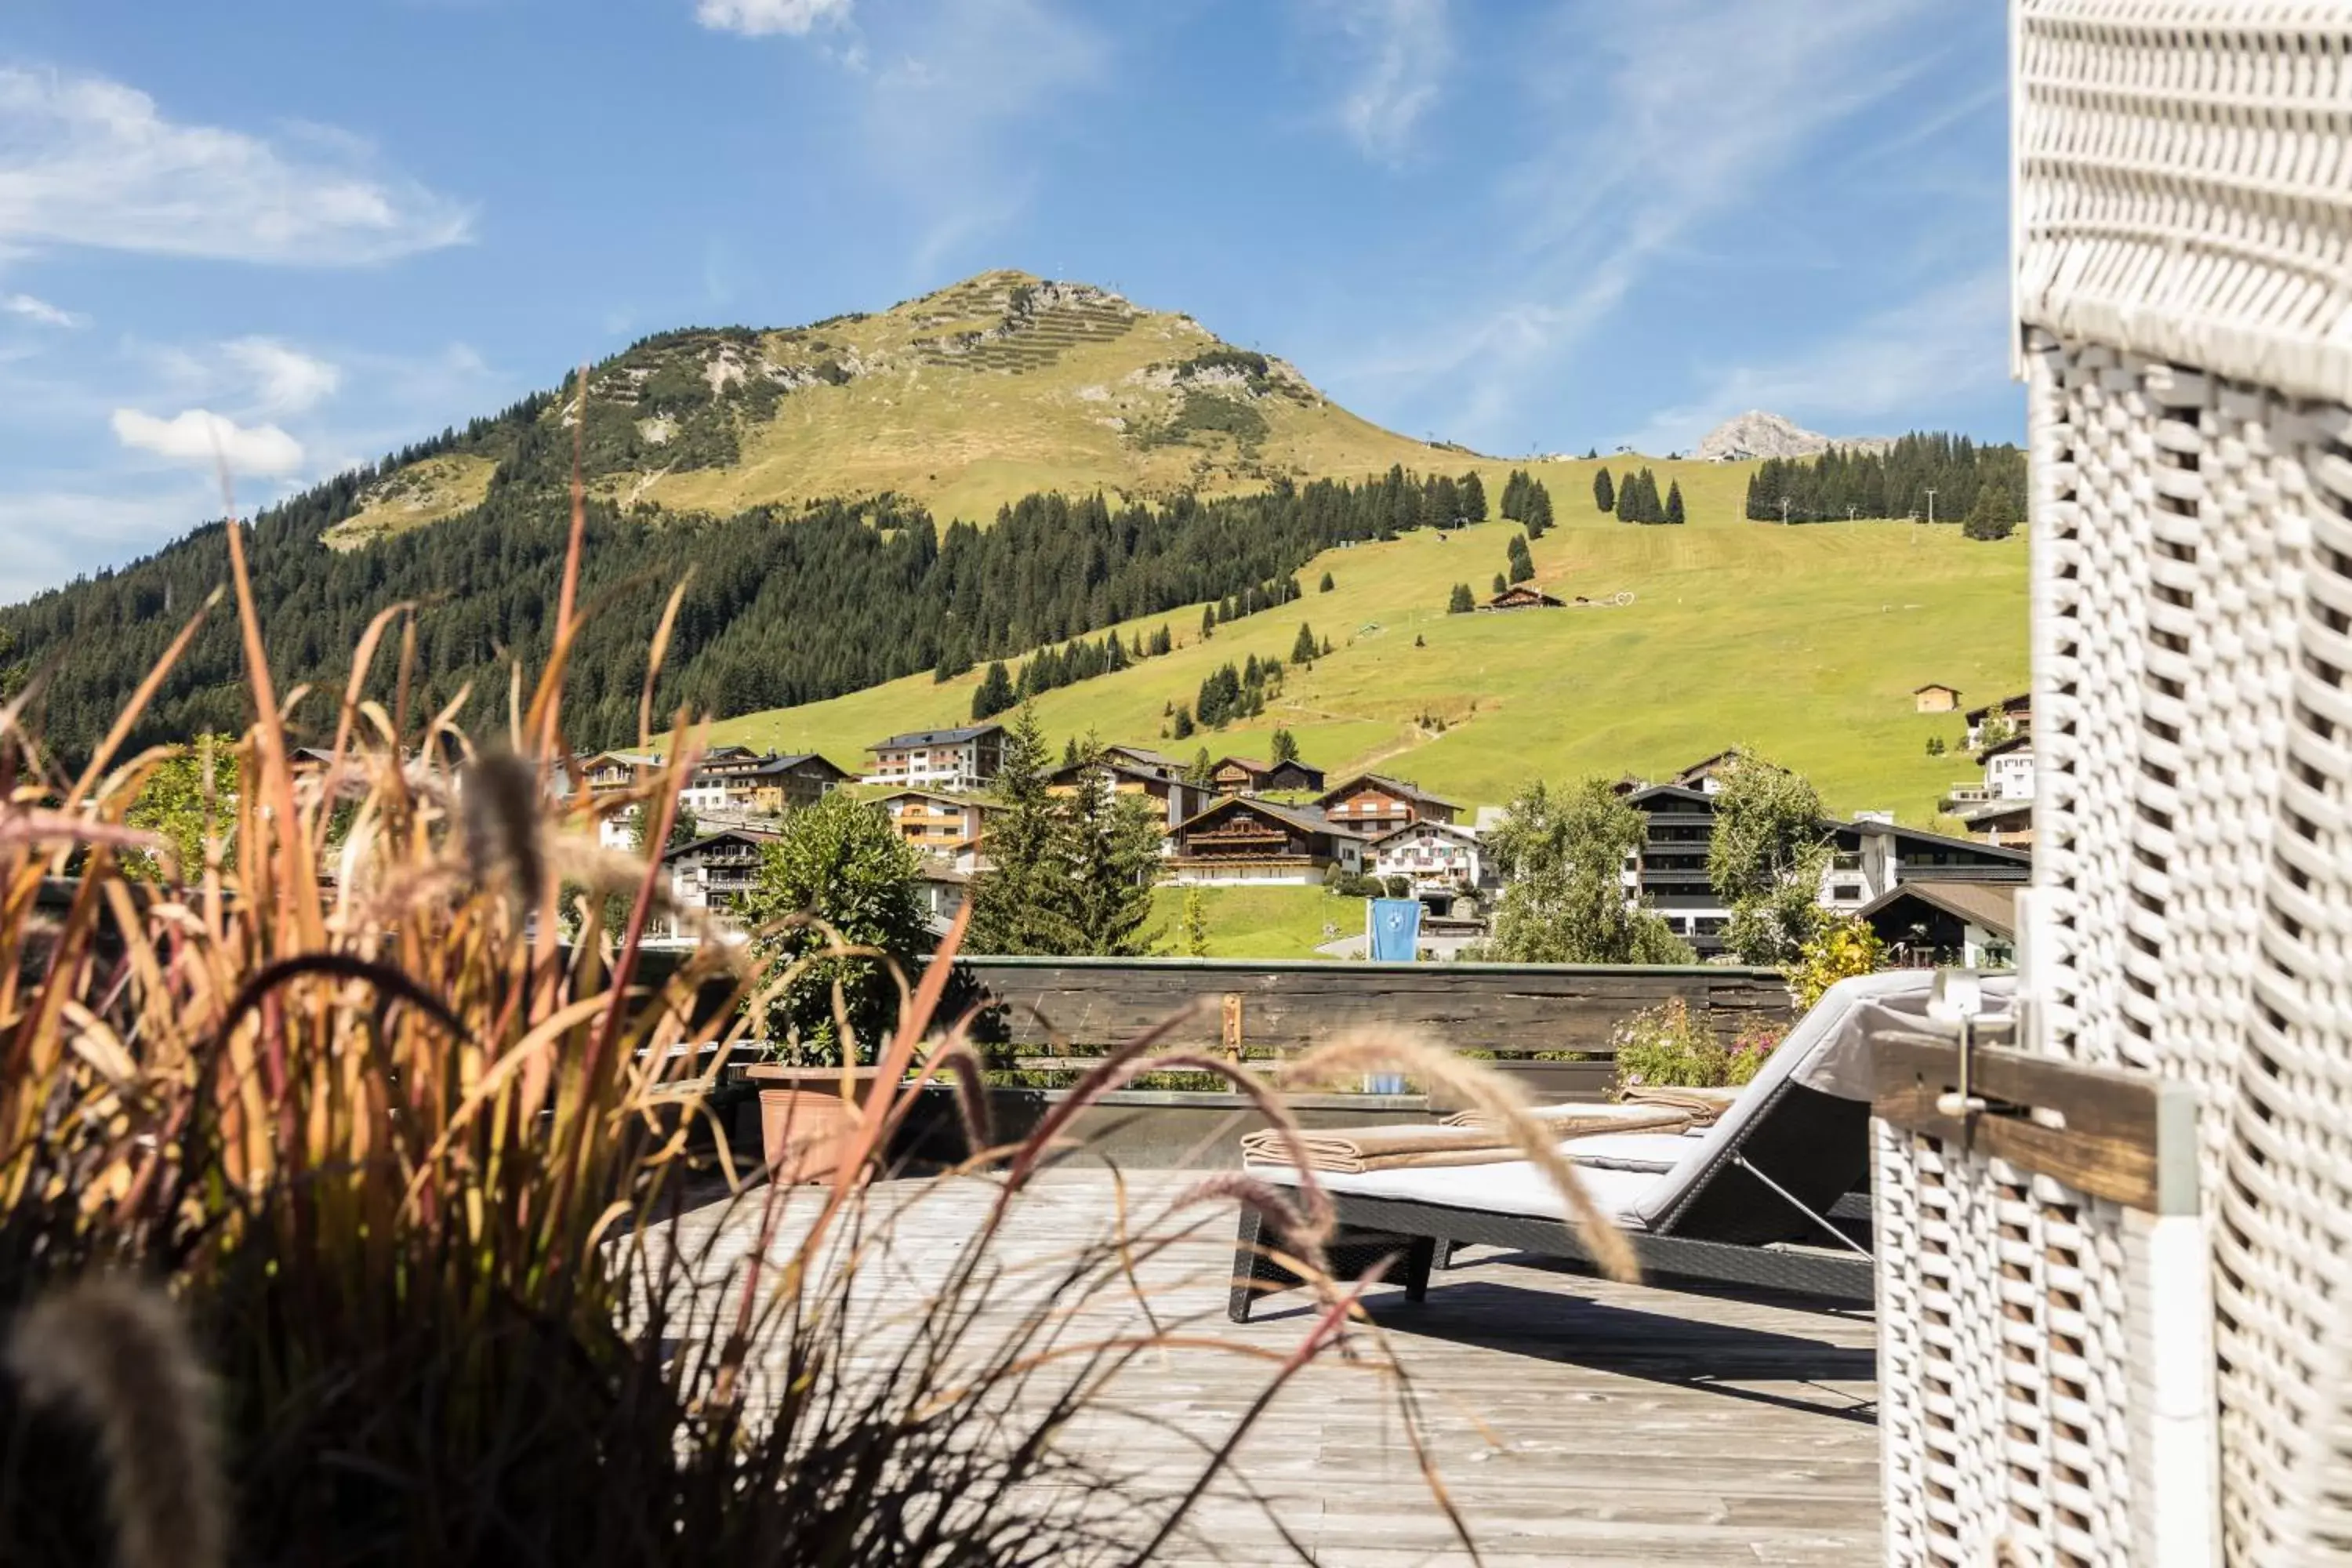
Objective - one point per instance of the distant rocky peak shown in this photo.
(1756, 434)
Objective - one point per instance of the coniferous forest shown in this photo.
(1842, 482)
(781, 608)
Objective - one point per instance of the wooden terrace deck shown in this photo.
(1574, 1421)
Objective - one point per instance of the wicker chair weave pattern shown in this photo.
(2182, 254)
(2004, 1370)
(2282, 1245)
(2184, 183)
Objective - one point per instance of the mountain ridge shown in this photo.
(960, 400)
(1745, 437)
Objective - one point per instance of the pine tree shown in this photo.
(1499, 583)
(1538, 518)
(1605, 491)
(1515, 497)
(1993, 515)
(1112, 840)
(1460, 603)
(1303, 651)
(1018, 903)
(1327, 647)
(1181, 727)
(1286, 746)
(1203, 766)
(1070, 752)
(1208, 622)
(1523, 565)
(1629, 500)
(1473, 493)
(1192, 924)
(994, 695)
(1674, 501)
(1327, 585)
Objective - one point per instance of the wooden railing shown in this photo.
(1517, 1009)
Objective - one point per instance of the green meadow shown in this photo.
(1803, 642)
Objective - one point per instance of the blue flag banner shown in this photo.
(1393, 929)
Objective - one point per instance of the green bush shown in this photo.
(1666, 1047)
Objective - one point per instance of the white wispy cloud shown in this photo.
(88, 161)
(756, 18)
(1405, 48)
(41, 310)
(199, 435)
(1669, 114)
(948, 102)
(285, 380)
(946, 87)
(1949, 341)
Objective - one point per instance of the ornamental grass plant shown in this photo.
(342, 1202)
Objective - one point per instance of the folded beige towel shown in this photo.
(1353, 1151)
(1702, 1106)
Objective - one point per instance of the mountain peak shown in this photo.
(1756, 434)
(961, 399)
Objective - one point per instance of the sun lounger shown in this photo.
(1745, 1201)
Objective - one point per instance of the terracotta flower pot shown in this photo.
(805, 1123)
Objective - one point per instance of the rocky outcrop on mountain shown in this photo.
(1756, 434)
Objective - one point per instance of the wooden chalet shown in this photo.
(714, 872)
(1707, 774)
(793, 782)
(1372, 803)
(1434, 857)
(1928, 924)
(2016, 711)
(1247, 775)
(947, 827)
(1521, 597)
(1243, 839)
(1933, 697)
(1176, 796)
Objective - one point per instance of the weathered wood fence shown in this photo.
(1506, 1007)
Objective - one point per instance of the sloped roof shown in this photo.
(1455, 828)
(934, 737)
(2015, 744)
(1394, 786)
(785, 762)
(748, 835)
(1148, 757)
(1306, 818)
(2022, 700)
(1935, 686)
(1992, 905)
(942, 797)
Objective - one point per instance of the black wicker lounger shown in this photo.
(1755, 1200)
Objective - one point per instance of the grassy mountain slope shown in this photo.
(963, 400)
(1804, 641)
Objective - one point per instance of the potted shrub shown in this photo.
(839, 877)
(807, 1117)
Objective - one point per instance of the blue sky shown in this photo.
(308, 233)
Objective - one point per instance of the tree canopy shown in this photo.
(842, 863)
(784, 605)
(1765, 859)
(1563, 852)
(1843, 482)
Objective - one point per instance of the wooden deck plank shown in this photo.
(1573, 1421)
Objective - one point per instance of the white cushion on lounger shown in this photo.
(1653, 1152)
(1514, 1186)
